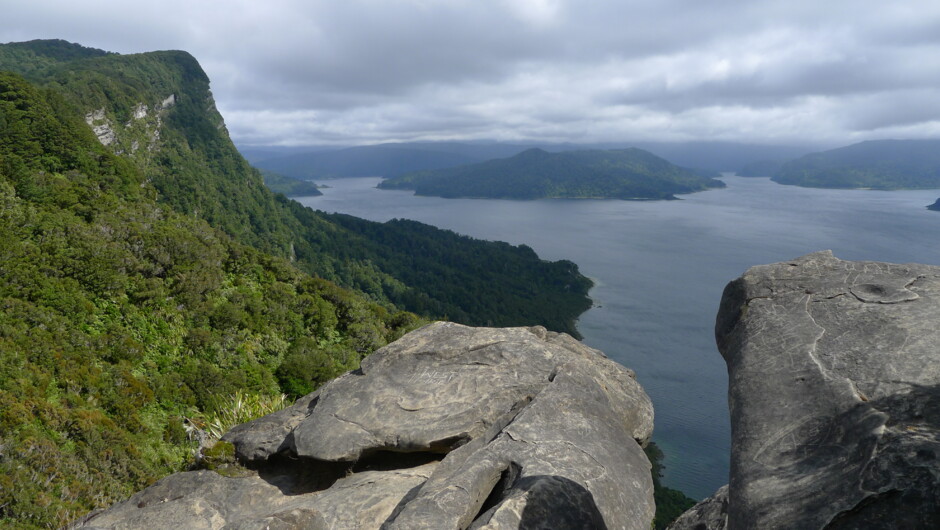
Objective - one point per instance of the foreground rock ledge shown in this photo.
(834, 390)
(448, 427)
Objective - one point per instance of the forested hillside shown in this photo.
(156, 110)
(881, 164)
(153, 291)
(537, 174)
(123, 321)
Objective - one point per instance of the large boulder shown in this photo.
(834, 390)
(449, 427)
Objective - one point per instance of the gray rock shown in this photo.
(206, 500)
(449, 427)
(834, 391)
(709, 514)
(266, 436)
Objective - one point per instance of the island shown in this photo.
(630, 174)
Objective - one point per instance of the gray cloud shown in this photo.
(362, 71)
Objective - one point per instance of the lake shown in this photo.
(660, 268)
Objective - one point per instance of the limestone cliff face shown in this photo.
(449, 427)
(834, 390)
(140, 135)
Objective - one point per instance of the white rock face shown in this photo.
(101, 125)
(141, 130)
(140, 111)
(95, 115)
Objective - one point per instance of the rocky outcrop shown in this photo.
(101, 125)
(834, 390)
(449, 427)
(142, 128)
(710, 514)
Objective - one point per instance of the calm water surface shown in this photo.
(660, 268)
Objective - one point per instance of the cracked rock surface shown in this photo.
(448, 427)
(834, 391)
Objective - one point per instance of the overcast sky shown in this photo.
(298, 72)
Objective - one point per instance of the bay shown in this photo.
(660, 268)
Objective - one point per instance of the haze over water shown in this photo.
(660, 268)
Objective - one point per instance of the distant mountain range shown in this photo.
(375, 160)
(880, 164)
(536, 174)
(395, 159)
(761, 168)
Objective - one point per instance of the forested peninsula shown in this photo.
(153, 291)
(880, 164)
(631, 174)
(289, 186)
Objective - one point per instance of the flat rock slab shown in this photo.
(834, 391)
(448, 427)
(206, 500)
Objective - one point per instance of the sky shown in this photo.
(349, 72)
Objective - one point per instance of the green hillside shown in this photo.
(537, 174)
(882, 164)
(121, 319)
(153, 290)
(156, 110)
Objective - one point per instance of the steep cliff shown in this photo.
(449, 427)
(834, 391)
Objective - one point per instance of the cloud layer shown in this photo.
(296, 72)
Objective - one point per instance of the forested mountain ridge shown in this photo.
(535, 174)
(152, 290)
(156, 110)
(877, 164)
(123, 322)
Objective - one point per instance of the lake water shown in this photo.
(660, 268)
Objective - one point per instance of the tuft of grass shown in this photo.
(240, 408)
